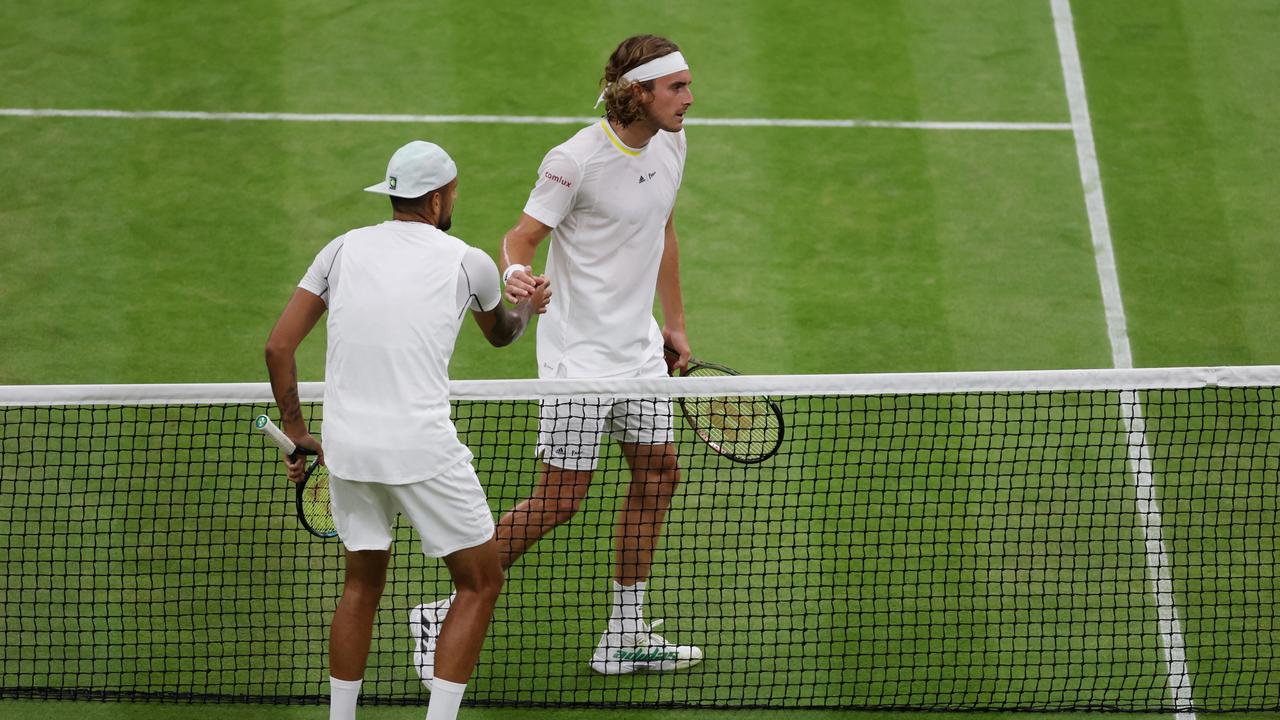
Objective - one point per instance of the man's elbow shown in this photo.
(275, 352)
(501, 338)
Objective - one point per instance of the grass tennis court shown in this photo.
(152, 250)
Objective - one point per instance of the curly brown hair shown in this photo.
(621, 102)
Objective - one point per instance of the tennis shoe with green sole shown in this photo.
(425, 622)
(620, 653)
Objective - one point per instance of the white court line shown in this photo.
(521, 119)
(1140, 466)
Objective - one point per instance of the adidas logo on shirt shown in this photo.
(643, 178)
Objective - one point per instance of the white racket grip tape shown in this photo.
(277, 435)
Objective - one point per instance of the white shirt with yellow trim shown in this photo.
(396, 293)
(608, 206)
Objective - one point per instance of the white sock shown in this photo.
(628, 606)
(446, 697)
(342, 698)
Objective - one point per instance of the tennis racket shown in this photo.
(312, 497)
(744, 429)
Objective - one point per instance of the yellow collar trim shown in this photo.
(622, 147)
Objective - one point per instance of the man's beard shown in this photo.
(445, 223)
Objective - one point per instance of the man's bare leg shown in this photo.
(478, 579)
(556, 498)
(628, 643)
(655, 476)
(352, 628)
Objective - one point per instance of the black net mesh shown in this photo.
(943, 551)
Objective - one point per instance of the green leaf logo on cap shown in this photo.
(391, 181)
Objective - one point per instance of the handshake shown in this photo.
(520, 284)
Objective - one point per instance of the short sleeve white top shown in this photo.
(396, 295)
(607, 205)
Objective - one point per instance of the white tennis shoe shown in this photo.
(621, 652)
(425, 622)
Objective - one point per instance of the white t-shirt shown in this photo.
(608, 206)
(397, 293)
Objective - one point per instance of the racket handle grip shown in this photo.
(277, 435)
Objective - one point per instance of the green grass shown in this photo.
(1184, 133)
(199, 230)
(183, 238)
(162, 251)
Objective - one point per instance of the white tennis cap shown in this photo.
(415, 170)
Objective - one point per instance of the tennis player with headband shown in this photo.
(606, 198)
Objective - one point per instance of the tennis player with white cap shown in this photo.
(396, 294)
(606, 198)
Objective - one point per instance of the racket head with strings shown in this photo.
(312, 501)
(311, 496)
(745, 429)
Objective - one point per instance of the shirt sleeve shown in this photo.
(479, 287)
(322, 273)
(556, 189)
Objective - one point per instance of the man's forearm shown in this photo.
(516, 251)
(511, 324)
(672, 307)
(283, 371)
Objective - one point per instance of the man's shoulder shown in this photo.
(362, 232)
(368, 236)
(388, 230)
(581, 145)
(475, 261)
(454, 242)
(441, 240)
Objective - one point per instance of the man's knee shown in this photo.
(656, 464)
(477, 572)
(563, 491)
(667, 466)
(366, 576)
(490, 583)
(564, 507)
(363, 590)
(485, 583)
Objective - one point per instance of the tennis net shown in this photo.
(1029, 540)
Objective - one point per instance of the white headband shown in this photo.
(656, 68)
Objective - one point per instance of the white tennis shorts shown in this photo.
(570, 429)
(449, 511)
